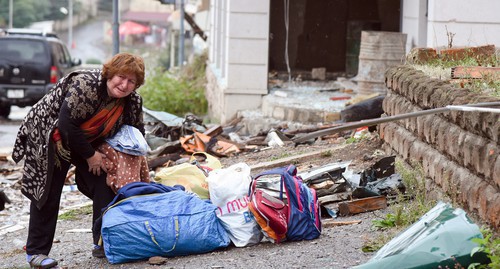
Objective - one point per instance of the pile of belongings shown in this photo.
(198, 206)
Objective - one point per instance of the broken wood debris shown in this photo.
(332, 223)
(362, 205)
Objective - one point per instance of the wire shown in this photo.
(287, 11)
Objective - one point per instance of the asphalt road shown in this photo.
(88, 40)
(9, 128)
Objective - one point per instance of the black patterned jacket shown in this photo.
(73, 100)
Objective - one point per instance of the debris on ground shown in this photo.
(186, 142)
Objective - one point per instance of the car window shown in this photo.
(23, 50)
(61, 54)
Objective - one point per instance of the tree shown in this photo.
(26, 12)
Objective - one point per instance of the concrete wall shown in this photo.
(459, 151)
(238, 51)
(474, 23)
(414, 23)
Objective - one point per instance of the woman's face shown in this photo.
(121, 85)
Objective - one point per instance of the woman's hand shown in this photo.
(96, 163)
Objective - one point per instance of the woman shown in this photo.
(64, 128)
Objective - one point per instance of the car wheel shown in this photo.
(5, 111)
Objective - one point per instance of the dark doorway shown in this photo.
(326, 33)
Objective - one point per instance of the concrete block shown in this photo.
(292, 114)
(304, 116)
(331, 116)
(279, 113)
(319, 73)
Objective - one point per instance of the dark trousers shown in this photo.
(42, 224)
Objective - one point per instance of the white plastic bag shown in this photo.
(228, 189)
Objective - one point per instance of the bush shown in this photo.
(177, 94)
(93, 61)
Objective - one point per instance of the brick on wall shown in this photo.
(458, 182)
(415, 86)
(459, 151)
(469, 150)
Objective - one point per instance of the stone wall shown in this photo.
(459, 151)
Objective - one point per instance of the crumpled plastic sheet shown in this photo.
(442, 237)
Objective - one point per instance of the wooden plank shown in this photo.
(214, 131)
(292, 159)
(474, 72)
(337, 197)
(362, 205)
(329, 223)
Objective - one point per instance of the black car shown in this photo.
(31, 62)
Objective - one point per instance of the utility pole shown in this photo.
(181, 35)
(116, 28)
(70, 24)
(11, 12)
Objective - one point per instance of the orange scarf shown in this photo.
(96, 127)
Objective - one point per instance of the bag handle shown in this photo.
(290, 169)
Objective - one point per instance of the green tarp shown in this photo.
(442, 237)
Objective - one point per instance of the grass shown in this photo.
(404, 212)
(281, 156)
(441, 69)
(76, 214)
(490, 245)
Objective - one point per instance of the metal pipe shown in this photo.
(181, 35)
(371, 122)
(70, 24)
(11, 13)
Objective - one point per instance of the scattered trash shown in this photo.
(362, 205)
(330, 223)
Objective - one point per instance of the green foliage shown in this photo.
(377, 243)
(281, 156)
(178, 94)
(490, 245)
(354, 139)
(26, 12)
(93, 61)
(389, 221)
(326, 154)
(405, 211)
(488, 84)
(492, 60)
(76, 213)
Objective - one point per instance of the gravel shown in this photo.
(337, 247)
